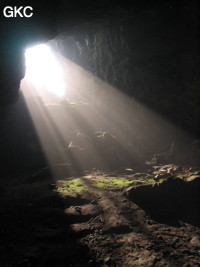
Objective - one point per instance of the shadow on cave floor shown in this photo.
(43, 225)
(35, 230)
(86, 221)
(170, 202)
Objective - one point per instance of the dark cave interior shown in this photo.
(148, 51)
(130, 105)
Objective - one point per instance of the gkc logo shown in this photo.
(10, 12)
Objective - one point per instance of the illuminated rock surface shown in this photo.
(65, 164)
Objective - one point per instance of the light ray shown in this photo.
(100, 128)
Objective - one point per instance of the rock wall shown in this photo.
(148, 49)
(16, 34)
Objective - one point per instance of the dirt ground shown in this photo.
(87, 221)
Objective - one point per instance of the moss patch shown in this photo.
(106, 182)
(78, 185)
(150, 181)
(71, 187)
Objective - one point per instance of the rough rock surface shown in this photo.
(49, 226)
(148, 50)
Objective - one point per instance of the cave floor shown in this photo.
(84, 221)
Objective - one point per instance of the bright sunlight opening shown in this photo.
(102, 128)
(43, 70)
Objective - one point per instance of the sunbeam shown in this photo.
(93, 125)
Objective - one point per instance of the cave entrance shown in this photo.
(83, 122)
(44, 72)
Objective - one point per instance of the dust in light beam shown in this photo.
(43, 70)
(100, 128)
